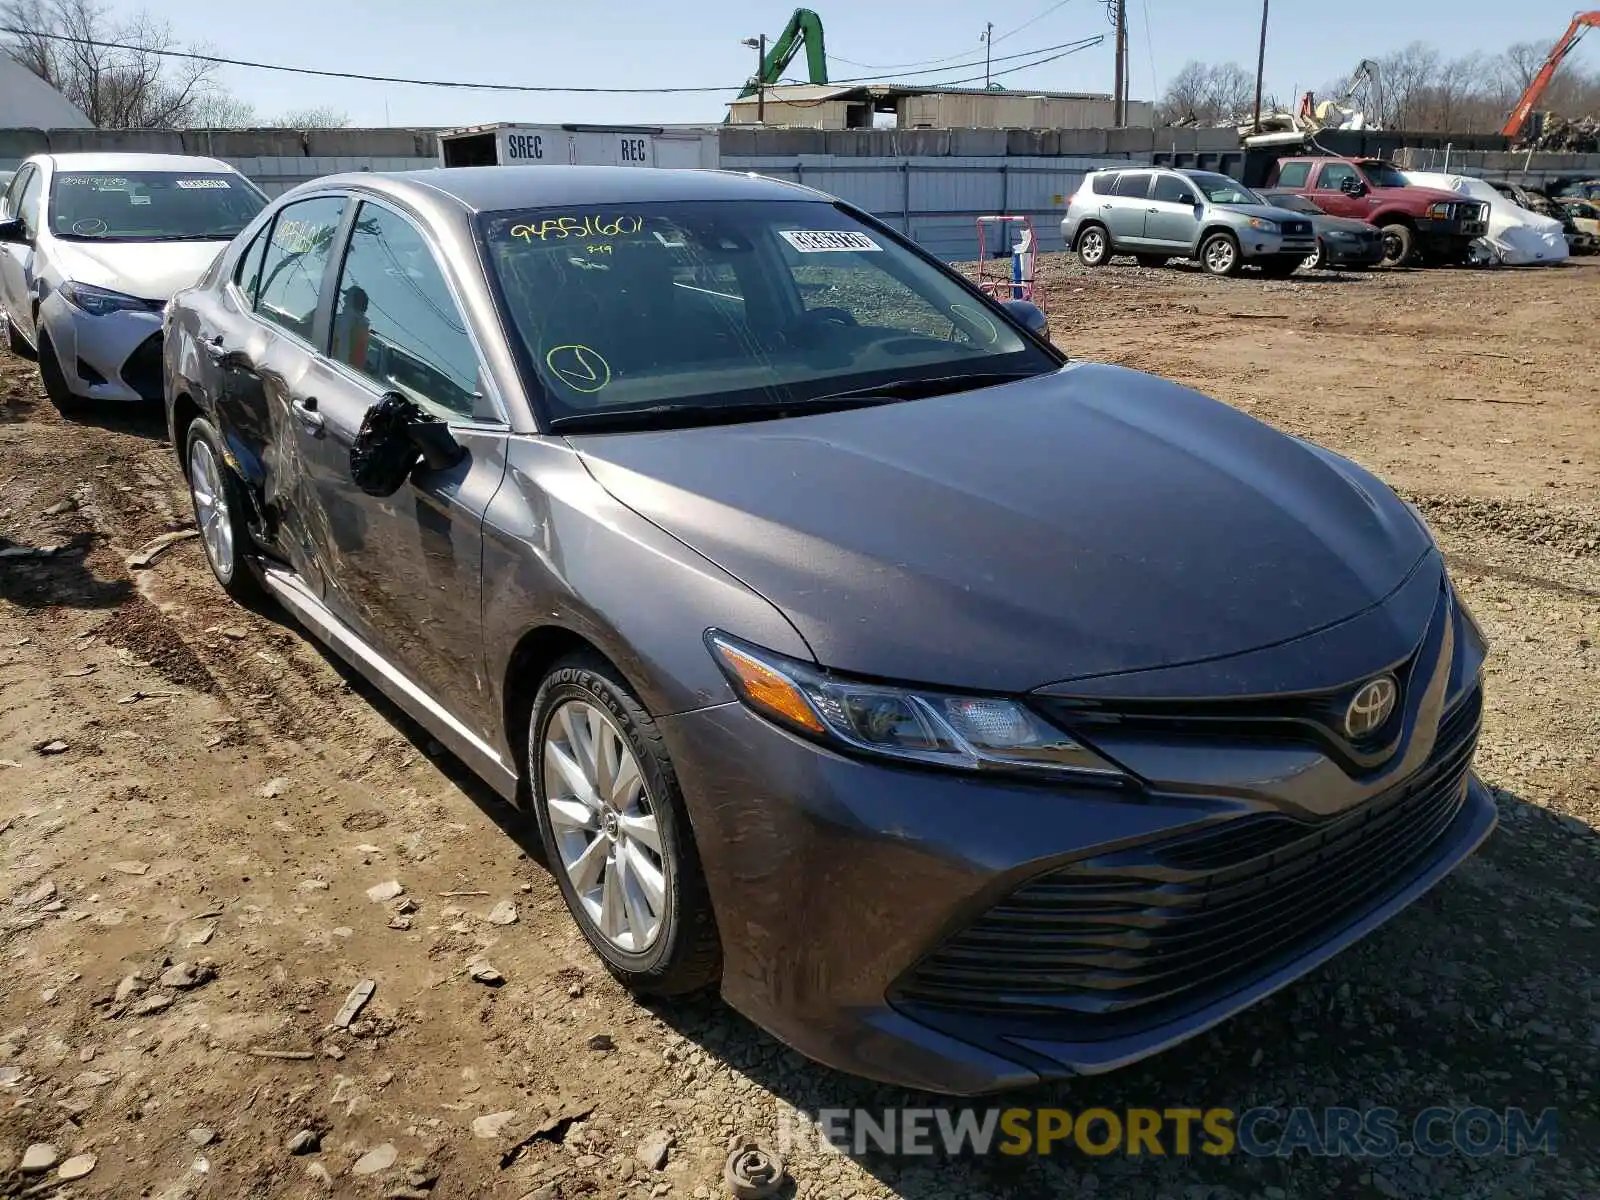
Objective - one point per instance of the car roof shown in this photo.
(492, 189)
(136, 162)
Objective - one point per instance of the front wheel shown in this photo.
(1399, 245)
(1220, 255)
(54, 379)
(219, 509)
(616, 832)
(1319, 260)
(1094, 247)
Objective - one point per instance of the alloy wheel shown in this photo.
(604, 825)
(211, 507)
(1094, 246)
(1219, 255)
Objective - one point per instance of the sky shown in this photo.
(635, 43)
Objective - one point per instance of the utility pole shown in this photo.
(761, 80)
(988, 52)
(1261, 63)
(1119, 101)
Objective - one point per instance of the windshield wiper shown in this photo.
(674, 416)
(937, 385)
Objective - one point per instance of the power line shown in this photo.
(922, 62)
(219, 60)
(976, 62)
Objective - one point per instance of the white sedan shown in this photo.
(91, 248)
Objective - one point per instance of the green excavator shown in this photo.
(804, 29)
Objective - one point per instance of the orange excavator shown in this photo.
(1581, 24)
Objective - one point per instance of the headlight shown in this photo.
(1339, 235)
(1263, 225)
(938, 728)
(1439, 211)
(99, 302)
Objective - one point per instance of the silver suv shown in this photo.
(1156, 214)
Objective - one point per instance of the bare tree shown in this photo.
(320, 117)
(1202, 94)
(115, 70)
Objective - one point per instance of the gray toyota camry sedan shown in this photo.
(967, 715)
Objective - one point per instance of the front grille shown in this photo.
(1130, 932)
(1297, 228)
(142, 370)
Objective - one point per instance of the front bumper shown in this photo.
(846, 889)
(116, 357)
(1255, 245)
(1354, 252)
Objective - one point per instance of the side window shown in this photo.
(1101, 183)
(248, 271)
(8, 205)
(1133, 184)
(292, 266)
(1293, 175)
(28, 203)
(1173, 190)
(395, 320)
(1333, 176)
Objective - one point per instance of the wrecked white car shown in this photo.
(1516, 237)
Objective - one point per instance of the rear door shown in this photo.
(403, 571)
(263, 363)
(1125, 217)
(1172, 216)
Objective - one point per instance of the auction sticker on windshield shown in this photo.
(821, 241)
(204, 183)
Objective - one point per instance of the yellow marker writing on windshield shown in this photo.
(581, 368)
(592, 226)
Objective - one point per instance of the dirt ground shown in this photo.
(194, 803)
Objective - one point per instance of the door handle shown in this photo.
(306, 413)
(1152, 210)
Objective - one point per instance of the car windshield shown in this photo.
(1381, 174)
(144, 206)
(1219, 189)
(707, 307)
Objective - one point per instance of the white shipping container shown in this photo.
(580, 145)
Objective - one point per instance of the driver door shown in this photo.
(1329, 194)
(1172, 218)
(403, 571)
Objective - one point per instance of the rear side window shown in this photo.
(1101, 183)
(1134, 184)
(1293, 175)
(295, 261)
(28, 203)
(1173, 190)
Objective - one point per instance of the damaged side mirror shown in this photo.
(395, 433)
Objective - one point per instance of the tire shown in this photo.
(1399, 245)
(15, 342)
(1094, 246)
(1219, 255)
(55, 380)
(219, 507)
(662, 938)
(1153, 261)
(1319, 260)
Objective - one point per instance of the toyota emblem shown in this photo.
(1370, 707)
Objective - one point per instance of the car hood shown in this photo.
(1089, 521)
(1434, 194)
(1268, 212)
(149, 270)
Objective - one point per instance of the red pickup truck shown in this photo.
(1419, 223)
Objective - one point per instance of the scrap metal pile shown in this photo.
(1574, 136)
